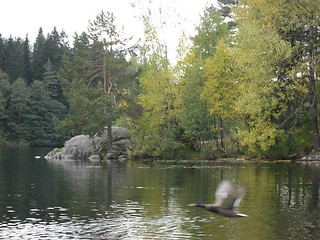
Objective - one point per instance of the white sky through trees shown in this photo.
(20, 17)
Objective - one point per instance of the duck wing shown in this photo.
(240, 191)
(227, 196)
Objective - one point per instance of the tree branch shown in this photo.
(293, 114)
(303, 6)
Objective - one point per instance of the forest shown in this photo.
(246, 84)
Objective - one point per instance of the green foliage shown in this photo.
(43, 109)
(39, 57)
(262, 102)
(17, 110)
(51, 48)
(4, 93)
(201, 90)
(85, 101)
(52, 82)
(85, 114)
(56, 46)
(220, 88)
(193, 115)
(95, 78)
(27, 74)
(156, 127)
(27, 113)
(252, 88)
(157, 101)
(212, 28)
(12, 57)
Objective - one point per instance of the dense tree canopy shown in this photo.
(31, 94)
(245, 83)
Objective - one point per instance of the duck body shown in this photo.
(227, 199)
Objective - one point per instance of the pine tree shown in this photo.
(2, 50)
(39, 56)
(94, 78)
(108, 63)
(27, 75)
(55, 48)
(51, 81)
(13, 62)
(4, 92)
(40, 122)
(18, 111)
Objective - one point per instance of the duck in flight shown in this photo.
(228, 198)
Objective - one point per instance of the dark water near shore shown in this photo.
(41, 199)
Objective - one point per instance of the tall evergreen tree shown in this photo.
(52, 83)
(18, 111)
(93, 78)
(15, 58)
(2, 56)
(27, 75)
(43, 110)
(4, 96)
(109, 62)
(27, 113)
(13, 62)
(39, 56)
(55, 47)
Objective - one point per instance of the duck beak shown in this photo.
(242, 215)
(192, 205)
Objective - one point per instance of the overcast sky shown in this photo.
(21, 17)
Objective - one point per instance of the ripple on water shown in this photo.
(125, 221)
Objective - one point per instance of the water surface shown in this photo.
(42, 199)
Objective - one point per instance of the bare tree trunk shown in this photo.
(107, 85)
(109, 128)
(216, 129)
(313, 95)
(221, 135)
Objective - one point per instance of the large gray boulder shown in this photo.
(84, 147)
(118, 133)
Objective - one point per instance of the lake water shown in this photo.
(42, 199)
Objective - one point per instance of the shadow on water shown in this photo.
(148, 200)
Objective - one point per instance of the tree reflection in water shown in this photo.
(148, 199)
